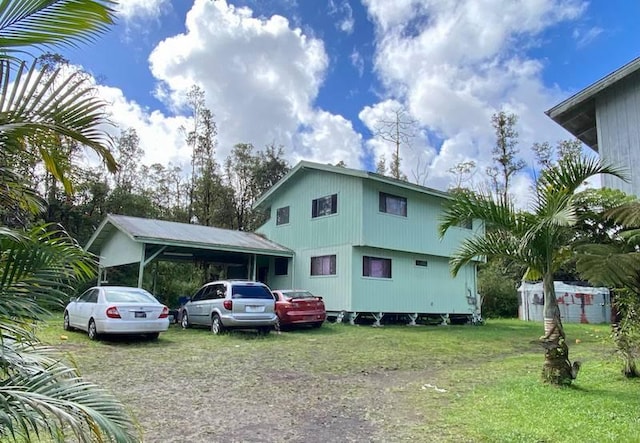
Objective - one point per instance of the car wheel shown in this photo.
(92, 332)
(65, 322)
(316, 324)
(184, 320)
(153, 336)
(216, 325)
(277, 326)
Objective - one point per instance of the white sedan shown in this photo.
(116, 310)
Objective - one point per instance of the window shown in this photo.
(392, 204)
(376, 267)
(251, 291)
(282, 216)
(323, 265)
(421, 263)
(324, 206)
(281, 266)
(466, 224)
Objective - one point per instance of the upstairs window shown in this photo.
(323, 265)
(282, 216)
(466, 224)
(324, 206)
(392, 204)
(376, 267)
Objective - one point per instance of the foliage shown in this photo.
(538, 240)
(39, 393)
(45, 115)
(497, 285)
(506, 165)
(398, 130)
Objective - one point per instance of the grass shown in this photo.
(396, 383)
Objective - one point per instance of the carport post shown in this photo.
(255, 265)
(141, 269)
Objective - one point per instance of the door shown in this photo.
(84, 308)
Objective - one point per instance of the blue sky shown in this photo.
(316, 76)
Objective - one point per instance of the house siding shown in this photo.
(417, 232)
(429, 290)
(618, 123)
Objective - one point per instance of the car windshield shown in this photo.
(128, 296)
(250, 291)
(298, 294)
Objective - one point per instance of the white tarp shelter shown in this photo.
(578, 304)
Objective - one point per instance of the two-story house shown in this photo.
(606, 117)
(367, 243)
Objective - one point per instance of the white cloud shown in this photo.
(344, 12)
(456, 63)
(584, 37)
(261, 77)
(357, 61)
(146, 9)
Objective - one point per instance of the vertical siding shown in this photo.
(335, 289)
(618, 122)
(417, 232)
(430, 290)
(303, 231)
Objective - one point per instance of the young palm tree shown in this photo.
(39, 394)
(539, 240)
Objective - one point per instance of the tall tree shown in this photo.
(399, 129)
(538, 240)
(39, 393)
(129, 155)
(505, 152)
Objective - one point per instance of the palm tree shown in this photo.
(539, 240)
(39, 393)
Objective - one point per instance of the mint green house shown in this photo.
(367, 243)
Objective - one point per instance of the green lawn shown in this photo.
(395, 383)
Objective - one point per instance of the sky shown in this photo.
(318, 76)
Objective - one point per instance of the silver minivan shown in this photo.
(228, 304)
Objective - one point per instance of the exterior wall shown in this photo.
(359, 228)
(303, 231)
(412, 289)
(618, 123)
(121, 250)
(417, 232)
(335, 289)
(578, 304)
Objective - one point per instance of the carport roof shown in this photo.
(183, 235)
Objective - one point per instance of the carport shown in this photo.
(122, 240)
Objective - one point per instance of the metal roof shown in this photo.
(577, 114)
(183, 235)
(306, 165)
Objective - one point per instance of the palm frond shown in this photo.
(36, 110)
(45, 395)
(46, 23)
(627, 214)
(607, 264)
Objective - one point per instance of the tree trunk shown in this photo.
(557, 368)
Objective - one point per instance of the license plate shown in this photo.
(141, 315)
(255, 309)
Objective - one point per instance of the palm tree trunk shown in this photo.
(557, 368)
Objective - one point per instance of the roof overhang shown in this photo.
(577, 114)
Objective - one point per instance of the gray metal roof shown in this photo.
(306, 165)
(183, 235)
(577, 114)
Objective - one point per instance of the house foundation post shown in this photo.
(412, 319)
(377, 317)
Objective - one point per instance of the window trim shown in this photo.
(383, 207)
(334, 265)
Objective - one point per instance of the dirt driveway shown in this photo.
(298, 386)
